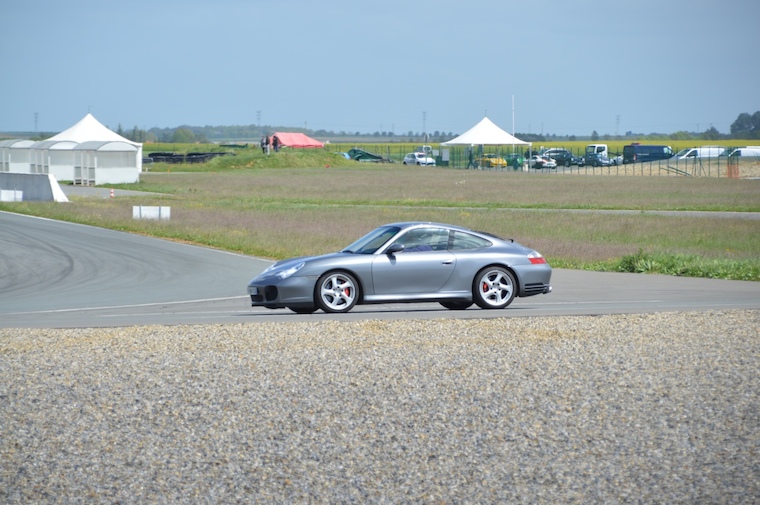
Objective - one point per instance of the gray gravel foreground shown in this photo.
(653, 408)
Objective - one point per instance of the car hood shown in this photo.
(281, 265)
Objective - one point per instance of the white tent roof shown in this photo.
(105, 145)
(485, 133)
(89, 129)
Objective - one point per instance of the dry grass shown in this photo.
(280, 212)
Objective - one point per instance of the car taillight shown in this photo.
(536, 258)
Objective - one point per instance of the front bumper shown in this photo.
(275, 293)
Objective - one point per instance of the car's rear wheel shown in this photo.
(494, 288)
(336, 292)
(456, 305)
(303, 310)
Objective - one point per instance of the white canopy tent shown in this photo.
(485, 133)
(110, 157)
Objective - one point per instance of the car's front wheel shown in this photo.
(494, 288)
(336, 292)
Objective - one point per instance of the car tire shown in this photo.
(456, 305)
(303, 310)
(336, 292)
(494, 288)
(567, 163)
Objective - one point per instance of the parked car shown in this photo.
(418, 159)
(563, 157)
(490, 161)
(538, 161)
(599, 160)
(407, 262)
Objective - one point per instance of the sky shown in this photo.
(542, 66)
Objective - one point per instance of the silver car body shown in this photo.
(406, 262)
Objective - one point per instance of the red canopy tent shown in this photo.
(300, 140)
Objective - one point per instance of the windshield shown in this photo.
(372, 241)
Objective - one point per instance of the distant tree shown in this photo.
(711, 134)
(594, 136)
(571, 138)
(746, 126)
(120, 130)
(680, 135)
(183, 136)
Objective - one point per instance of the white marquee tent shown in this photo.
(88, 153)
(14, 155)
(485, 133)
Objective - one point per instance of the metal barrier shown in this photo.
(466, 158)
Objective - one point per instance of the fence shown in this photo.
(458, 158)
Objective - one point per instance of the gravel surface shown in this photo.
(655, 408)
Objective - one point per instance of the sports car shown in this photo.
(407, 262)
(490, 160)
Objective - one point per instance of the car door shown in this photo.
(422, 268)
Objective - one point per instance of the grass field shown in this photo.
(240, 205)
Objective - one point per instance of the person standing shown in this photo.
(267, 143)
(276, 143)
(264, 141)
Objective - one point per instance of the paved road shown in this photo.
(58, 275)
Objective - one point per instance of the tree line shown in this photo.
(746, 126)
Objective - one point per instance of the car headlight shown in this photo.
(290, 271)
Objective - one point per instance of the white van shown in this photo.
(699, 152)
(746, 152)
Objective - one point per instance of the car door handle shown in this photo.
(447, 262)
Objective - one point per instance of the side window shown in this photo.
(461, 240)
(424, 239)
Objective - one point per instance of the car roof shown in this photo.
(413, 224)
(408, 225)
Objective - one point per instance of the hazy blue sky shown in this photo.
(361, 65)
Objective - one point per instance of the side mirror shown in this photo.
(394, 248)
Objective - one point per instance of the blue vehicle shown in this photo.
(638, 153)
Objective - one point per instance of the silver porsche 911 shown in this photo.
(407, 262)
